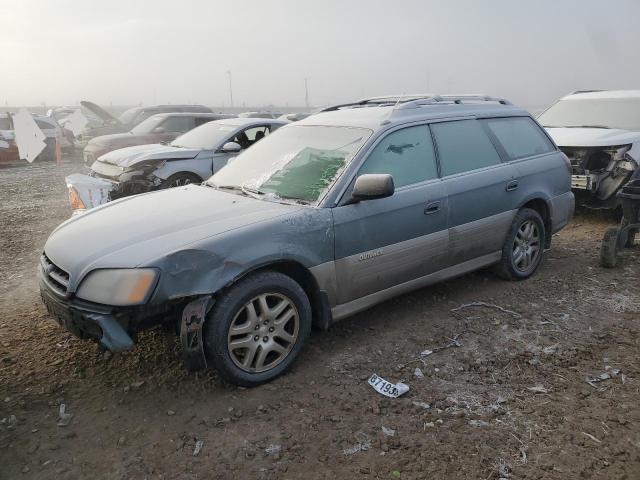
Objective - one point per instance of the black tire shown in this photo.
(609, 254)
(232, 305)
(180, 179)
(509, 267)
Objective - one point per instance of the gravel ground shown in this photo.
(511, 401)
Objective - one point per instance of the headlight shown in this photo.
(118, 287)
(145, 166)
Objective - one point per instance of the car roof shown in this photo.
(601, 94)
(243, 121)
(192, 114)
(377, 112)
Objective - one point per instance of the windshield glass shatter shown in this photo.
(296, 162)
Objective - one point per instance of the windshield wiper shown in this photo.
(242, 189)
(586, 126)
(252, 191)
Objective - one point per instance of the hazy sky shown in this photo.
(127, 52)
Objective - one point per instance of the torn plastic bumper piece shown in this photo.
(114, 337)
(193, 318)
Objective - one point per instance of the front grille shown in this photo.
(57, 278)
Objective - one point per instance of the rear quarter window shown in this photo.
(520, 137)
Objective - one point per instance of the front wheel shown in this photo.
(180, 180)
(257, 329)
(523, 247)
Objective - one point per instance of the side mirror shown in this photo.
(159, 130)
(371, 186)
(231, 147)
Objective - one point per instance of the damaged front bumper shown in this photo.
(114, 328)
(599, 173)
(86, 321)
(87, 192)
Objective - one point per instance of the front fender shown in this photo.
(305, 238)
(202, 166)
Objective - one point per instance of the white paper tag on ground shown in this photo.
(387, 389)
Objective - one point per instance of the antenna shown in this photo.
(395, 106)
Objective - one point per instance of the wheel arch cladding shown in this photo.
(321, 312)
(188, 273)
(542, 207)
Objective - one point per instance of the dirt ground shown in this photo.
(511, 401)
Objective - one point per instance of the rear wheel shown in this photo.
(258, 328)
(181, 179)
(523, 247)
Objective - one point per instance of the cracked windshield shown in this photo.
(303, 161)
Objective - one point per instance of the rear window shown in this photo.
(463, 145)
(520, 136)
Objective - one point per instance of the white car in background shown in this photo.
(191, 158)
(599, 131)
(48, 125)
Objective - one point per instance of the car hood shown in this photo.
(126, 157)
(116, 139)
(592, 137)
(137, 230)
(100, 112)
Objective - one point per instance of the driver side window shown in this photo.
(248, 137)
(407, 155)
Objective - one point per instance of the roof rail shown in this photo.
(379, 101)
(457, 99)
(403, 102)
(586, 91)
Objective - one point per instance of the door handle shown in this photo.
(511, 186)
(432, 207)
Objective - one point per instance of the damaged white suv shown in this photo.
(600, 133)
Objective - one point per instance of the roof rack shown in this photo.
(381, 101)
(403, 102)
(457, 99)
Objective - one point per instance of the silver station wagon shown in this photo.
(322, 219)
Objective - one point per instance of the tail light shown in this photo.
(567, 162)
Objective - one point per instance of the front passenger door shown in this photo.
(385, 242)
(245, 138)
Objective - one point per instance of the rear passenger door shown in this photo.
(481, 189)
(532, 154)
(385, 242)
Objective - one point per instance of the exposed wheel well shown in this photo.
(540, 206)
(319, 304)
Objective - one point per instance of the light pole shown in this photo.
(306, 92)
(230, 88)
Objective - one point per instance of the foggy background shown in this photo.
(130, 52)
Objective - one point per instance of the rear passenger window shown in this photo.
(178, 124)
(407, 155)
(520, 136)
(463, 145)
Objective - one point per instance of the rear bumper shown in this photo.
(85, 321)
(562, 208)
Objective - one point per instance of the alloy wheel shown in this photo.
(263, 332)
(526, 246)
